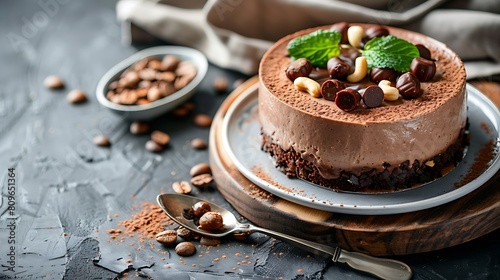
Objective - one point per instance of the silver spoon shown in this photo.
(174, 204)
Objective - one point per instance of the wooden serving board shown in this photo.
(456, 222)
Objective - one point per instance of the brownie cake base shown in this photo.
(403, 176)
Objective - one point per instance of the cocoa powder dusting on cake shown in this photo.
(481, 163)
(146, 223)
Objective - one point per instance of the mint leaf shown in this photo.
(317, 47)
(390, 52)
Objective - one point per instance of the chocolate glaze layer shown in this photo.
(363, 139)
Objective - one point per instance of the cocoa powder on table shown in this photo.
(146, 223)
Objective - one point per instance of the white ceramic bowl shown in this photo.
(160, 106)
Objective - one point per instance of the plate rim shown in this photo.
(472, 93)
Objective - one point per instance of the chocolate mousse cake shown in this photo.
(384, 109)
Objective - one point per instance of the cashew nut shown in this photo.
(360, 70)
(355, 35)
(390, 93)
(308, 85)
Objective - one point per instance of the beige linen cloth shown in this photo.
(234, 34)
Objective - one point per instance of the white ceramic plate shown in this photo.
(241, 136)
(160, 106)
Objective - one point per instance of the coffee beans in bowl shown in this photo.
(152, 82)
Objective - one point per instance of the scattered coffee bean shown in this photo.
(342, 27)
(379, 74)
(298, 68)
(200, 208)
(337, 68)
(154, 147)
(180, 112)
(408, 86)
(167, 237)
(211, 221)
(200, 168)
(185, 249)
(373, 96)
(184, 233)
(209, 241)
(139, 127)
(160, 137)
(199, 144)
(182, 187)
(329, 89)
(53, 82)
(202, 180)
(102, 140)
(423, 69)
(423, 51)
(203, 120)
(220, 84)
(76, 96)
(348, 99)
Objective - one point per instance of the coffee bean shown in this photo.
(379, 74)
(169, 62)
(199, 144)
(130, 80)
(202, 180)
(160, 137)
(168, 76)
(102, 140)
(139, 127)
(200, 168)
(373, 96)
(155, 64)
(185, 249)
(337, 68)
(154, 94)
(298, 68)
(182, 187)
(167, 237)
(76, 96)
(200, 208)
(220, 84)
(141, 64)
(209, 241)
(203, 120)
(186, 68)
(408, 86)
(53, 82)
(188, 106)
(423, 69)
(348, 99)
(329, 89)
(154, 147)
(211, 221)
(182, 81)
(180, 112)
(184, 233)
